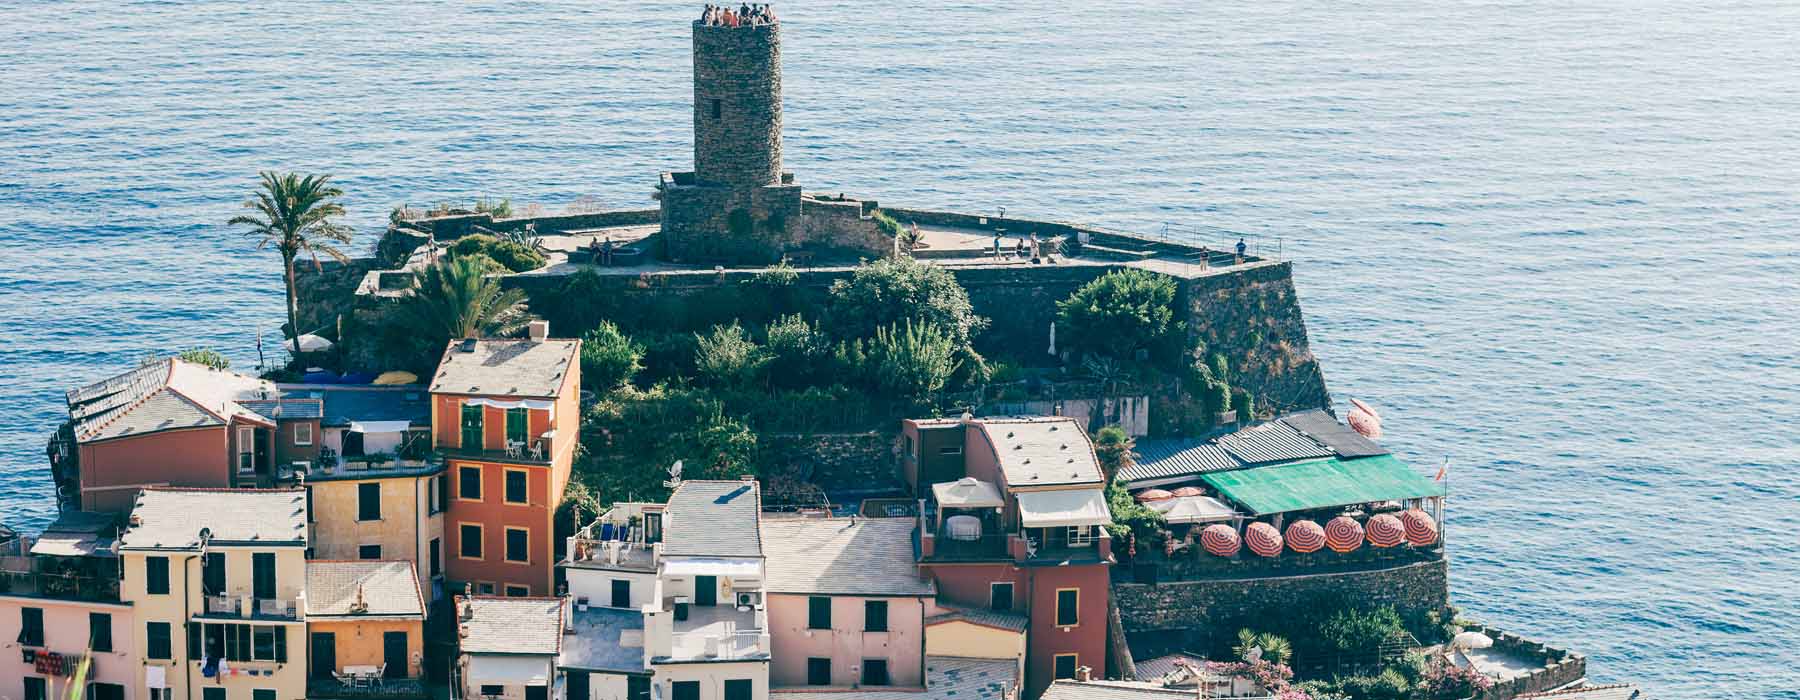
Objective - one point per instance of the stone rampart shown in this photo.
(1215, 609)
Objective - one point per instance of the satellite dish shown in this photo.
(674, 475)
(1254, 655)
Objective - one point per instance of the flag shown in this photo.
(1443, 470)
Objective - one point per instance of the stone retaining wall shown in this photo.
(1217, 608)
(1560, 666)
(840, 463)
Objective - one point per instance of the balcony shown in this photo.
(81, 587)
(718, 633)
(1032, 547)
(536, 452)
(381, 688)
(232, 607)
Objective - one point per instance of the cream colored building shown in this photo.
(216, 578)
(382, 514)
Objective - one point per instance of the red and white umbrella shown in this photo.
(1385, 530)
(1263, 539)
(1305, 536)
(1421, 530)
(1148, 495)
(1188, 491)
(1220, 540)
(1343, 534)
(1364, 420)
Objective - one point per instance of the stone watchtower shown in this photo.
(737, 206)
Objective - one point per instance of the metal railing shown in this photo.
(253, 608)
(60, 586)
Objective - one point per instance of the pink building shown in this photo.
(846, 603)
(59, 599)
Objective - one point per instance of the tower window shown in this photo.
(716, 108)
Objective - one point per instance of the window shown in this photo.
(818, 671)
(518, 545)
(437, 566)
(493, 690)
(246, 449)
(468, 480)
(262, 694)
(263, 643)
(513, 591)
(368, 502)
(517, 423)
(484, 588)
(515, 486)
(100, 631)
(537, 692)
(212, 574)
(717, 108)
(950, 450)
(36, 689)
(31, 627)
(156, 575)
(262, 573)
(578, 685)
(212, 692)
(739, 689)
(108, 691)
(818, 613)
(1065, 666)
(875, 616)
(685, 690)
(1068, 601)
(1081, 535)
(621, 593)
(309, 510)
(193, 641)
(471, 427)
(162, 694)
(637, 688)
(157, 640)
(874, 672)
(303, 433)
(368, 551)
(1000, 596)
(469, 541)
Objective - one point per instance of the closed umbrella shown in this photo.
(1219, 540)
(1421, 530)
(1305, 536)
(1263, 539)
(1386, 531)
(308, 343)
(1148, 495)
(1343, 534)
(1364, 420)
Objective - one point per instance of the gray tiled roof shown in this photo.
(286, 408)
(946, 678)
(605, 639)
(1111, 690)
(1042, 451)
(1156, 669)
(171, 518)
(842, 556)
(1161, 459)
(1327, 431)
(512, 367)
(1616, 691)
(982, 616)
(513, 626)
(1271, 442)
(389, 588)
(345, 403)
(166, 395)
(713, 519)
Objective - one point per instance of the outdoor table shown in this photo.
(963, 527)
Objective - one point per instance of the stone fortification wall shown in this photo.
(839, 463)
(737, 105)
(451, 227)
(1253, 318)
(1215, 609)
(1559, 668)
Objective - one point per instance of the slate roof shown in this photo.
(167, 395)
(1111, 690)
(1271, 442)
(713, 518)
(946, 678)
(286, 408)
(389, 588)
(521, 368)
(605, 639)
(171, 518)
(1043, 451)
(1161, 459)
(1156, 669)
(77, 533)
(366, 402)
(513, 625)
(1616, 691)
(1327, 431)
(981, 616)
(842, 556)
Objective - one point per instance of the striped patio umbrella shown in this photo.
(1220, 540)
(1188, 491)
(1343, 534)
(1385, 530)
(1148, 495)
(1263, 539)
(1421, 530)
(1305, 536)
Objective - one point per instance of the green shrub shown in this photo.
(728, 357)
(914, 362)
(497, 208)
(887, 225)
(1120, 313)
(795, 348)
(513, 255)
(579, 305)
(631, 436)
(1244, 404)
(1354, 630)
(1217, 398)
(1130, 517)
(609, 359)
(1275, 648)
(1113, 447)
(206, 357)
(1006, 372)
(888, 293)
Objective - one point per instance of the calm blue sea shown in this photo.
(1556, 243)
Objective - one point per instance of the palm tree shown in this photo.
(1264, 646)
(455, 299)
(293, 214)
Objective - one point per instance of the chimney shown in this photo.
(538, 330)
(1084, 674)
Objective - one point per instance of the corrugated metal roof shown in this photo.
(1271, 442)
(1159, 459)
(1327, 431)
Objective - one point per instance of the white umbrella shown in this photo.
(1471, 640)
(1193, 509)
(308, 343)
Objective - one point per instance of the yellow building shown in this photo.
(216, 578)
(365, 623)
(391, 513)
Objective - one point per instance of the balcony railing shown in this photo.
(712, 645)
(249, 608)
(381, 688)
(98, 589)
(518, 455)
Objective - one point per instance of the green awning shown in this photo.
(1323, 483)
